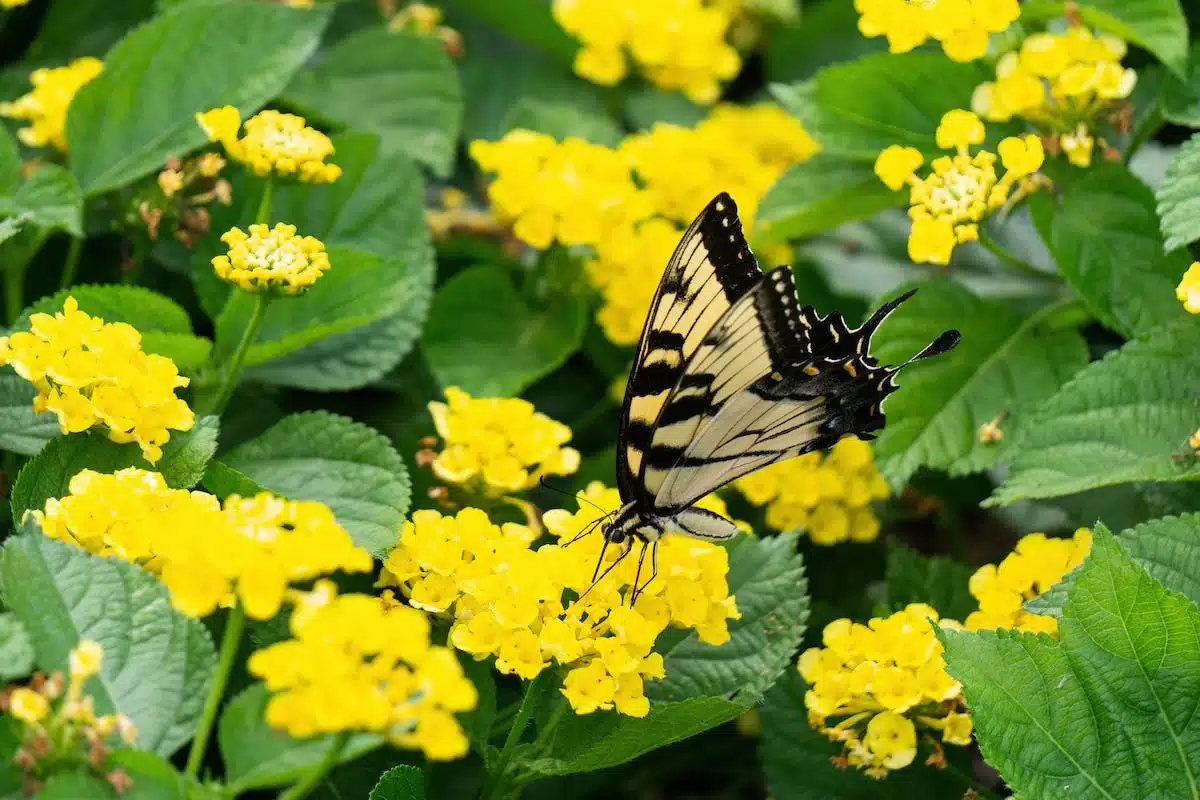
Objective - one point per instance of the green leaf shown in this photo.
(767, 577)
(222, 480)
(50, 199)
(153, 777)
(21, 430)
(562, 120)
(1008, 362)
(1103, 231)
(16, 650)
(346, 465)
(1157, 25)
(937, 580)
(596, 741)
(142, 308)
(857, 109)
(10, 163)
(826, 34)
(528, 21)
(1106, 710)
(1120, 420)
(646, 105)
(795, 758)
(477, 723)
(403, 782)
(403, 87)
(1178, 196)
(257, 756)
(188, 351)
(11, 734)
(157, 663)
(1181, 95)
(85, 28)
(142, 108)
(48, 474)
(483, 337)
(819, 194)
(76, 784)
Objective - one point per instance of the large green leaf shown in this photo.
(142, 108)
(826, 34)
(48, 474)
(819, 194)
(528, 21)
(766, 575)
(401, 86)
(1122, 419)
(1106, 710)
(16, 649)
(483, 337)
(1181, 94)
(142, 308)
(1178, 196)
(403, 782)
(157, 663)
(1103, 231)
(1008, 362)
(937, 580)
(561, 120)
(857, 109)
(257, 756)
(796, 758)
(49, 200)
(350, 467)
(21, 430)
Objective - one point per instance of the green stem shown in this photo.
(229, 647)
(71, 265)
(310, 781)
(14, 292)
(1019, 264)
(264, 204)
(233, 369)
(547, 730)
(495, 778)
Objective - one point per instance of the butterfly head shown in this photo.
(625, 524)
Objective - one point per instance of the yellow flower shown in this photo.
(89, 373)
(947, 205)
(273, 143)
(1037, 563)
(12, 3)
(45, 108)
(356, 663)
(513, 602)
(85, 660)
(498, 446)
(679, 45)
(883, 680)
(170, 181)
(28, 706)
(962, 26)
(827, 495)
(271, 259)
(1188, 291)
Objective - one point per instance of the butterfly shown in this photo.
(733, 375)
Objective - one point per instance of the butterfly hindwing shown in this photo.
(711, 268)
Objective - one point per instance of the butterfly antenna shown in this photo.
(577, 495)
(588, 529)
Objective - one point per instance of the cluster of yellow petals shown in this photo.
(45, 108)
(882, 681)
(513, 601)
(358, 663)
(1063, 83)
(826, 495)
(1037, 563)
(497, 446)
(573, 192)
(947, 205)
(271, 259)
(208, 556)
(1188, 290)
(273, 143)
(90, 373)
(679, 45)
(961, 26)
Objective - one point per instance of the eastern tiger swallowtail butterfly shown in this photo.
(733, 375)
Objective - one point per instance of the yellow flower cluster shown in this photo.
(883, 681)
(208, 556)
(1063, 83)
(12, 3)
(45, 108)
(273, 143)
(511, 601)
(497, 446)
(88, 372)
(573, 192)
(357, 663)
(828, 496)
(1038, 563)
(961, 26)
(1188, 291)
(679, 45)
(271, 259)
(947, 205)
(71, 735)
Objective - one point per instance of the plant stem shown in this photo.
(233, 369)
(71, 265)
(14, 292)
(495, 778)
(229, 647)
(310, 781)
(1021, 265)
(264, 204)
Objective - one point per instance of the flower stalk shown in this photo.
(234, 625)
(310, 781)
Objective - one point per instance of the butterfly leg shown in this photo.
(608, 569)
(637, 590)
(637, 575)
